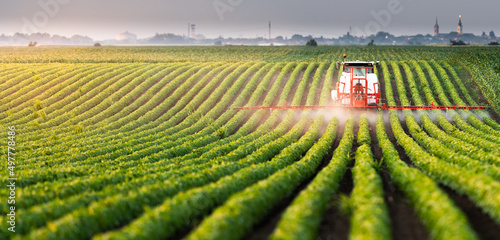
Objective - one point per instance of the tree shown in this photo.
(382, 34)
(97, 44)
(458, 43)
(32, 44)
(297, 37)
(484, 34)
(492, 35)
(371, 43)
(312, 43)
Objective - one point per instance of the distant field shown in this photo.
(149, 54)
(142, 143)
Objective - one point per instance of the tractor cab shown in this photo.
(358, 85)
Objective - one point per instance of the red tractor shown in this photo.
(358, 86)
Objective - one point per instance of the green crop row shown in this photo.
(437, 147)
(302, 218)
(32, 217)
(457, 100)
(21, 81)
(91, 92)
(241, 211)
(128, 206)
(67, 103)
(85, 184)
(482, 69)
(483, 190)
(84, 151)
(388, 86)
(211, 195)
(123, 175)
(448, 127)
(369, 218)
(198, 178)
(450, 175)
(83, 168)
(438, 90)
(426, 198)
(474, 185)
(44, 82)
(471, 101)
(21, 112)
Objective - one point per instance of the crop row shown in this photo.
(48, 96)
(427, 199)
(483, 190)
(213, 173)
(71, 203)
(84, 166)
(434, 146)
(369, 215)
(302, 218)
(32, 217)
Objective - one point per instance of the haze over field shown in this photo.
(244, 18)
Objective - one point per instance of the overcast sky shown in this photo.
(104, 19)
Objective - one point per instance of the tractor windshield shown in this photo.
(359, 72)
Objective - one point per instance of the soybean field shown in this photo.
(143, 143)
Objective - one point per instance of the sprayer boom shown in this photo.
(383, 107)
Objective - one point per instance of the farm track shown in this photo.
(144, 143)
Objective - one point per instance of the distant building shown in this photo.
(460, 28)
(126, 36)
(436, 28)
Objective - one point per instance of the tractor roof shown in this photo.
(358, 64)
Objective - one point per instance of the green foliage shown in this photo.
(370, 218)
(302, 218)
(311, 43)
(143, 143)
(458, 43)
(429, 205)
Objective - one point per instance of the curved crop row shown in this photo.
(200, 178)
(302, 218)
(369, 218)
(428, 201)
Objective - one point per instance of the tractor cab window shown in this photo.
(359, 72)
(370, 70)
(347, 70)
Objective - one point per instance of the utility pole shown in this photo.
(269, 30)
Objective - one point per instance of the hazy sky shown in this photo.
(104, 19)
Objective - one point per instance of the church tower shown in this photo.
(436, 28)
(460, 28)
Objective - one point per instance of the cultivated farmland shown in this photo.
(143, 143)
